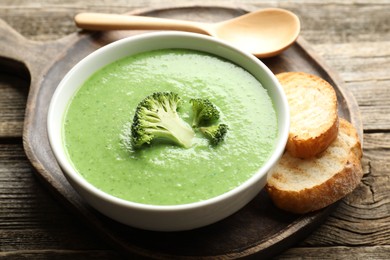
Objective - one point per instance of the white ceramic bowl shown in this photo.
(177, 217)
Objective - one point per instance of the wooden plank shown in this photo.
(337, 252)
(377, 142)
(376, 118)
(12, 105)
(371, 93)
(358, 61)
(60, 254)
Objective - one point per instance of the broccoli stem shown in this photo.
(173, 128)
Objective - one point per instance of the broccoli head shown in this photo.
(156, 117)
(204, 112)
(215, 133)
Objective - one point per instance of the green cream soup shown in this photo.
(98, 121)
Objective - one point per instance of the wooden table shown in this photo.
(353, 37)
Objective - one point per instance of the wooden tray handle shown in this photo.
(36, 56)
(13, 44)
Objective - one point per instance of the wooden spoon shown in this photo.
(264, 33)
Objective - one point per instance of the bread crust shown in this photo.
(322, 195)
(309, 147)
(314, 197)
(315, 98)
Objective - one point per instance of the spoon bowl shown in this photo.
(264, 33)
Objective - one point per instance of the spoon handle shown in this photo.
(100, 21)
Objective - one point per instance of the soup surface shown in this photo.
(98, 121)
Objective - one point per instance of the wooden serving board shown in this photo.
(258, 230)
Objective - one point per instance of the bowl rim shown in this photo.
(70, 172)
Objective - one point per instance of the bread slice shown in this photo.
(304, 185)
(313, 112)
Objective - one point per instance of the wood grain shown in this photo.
(352, 36)
(12, 105)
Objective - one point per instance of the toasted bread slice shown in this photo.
(313, 112)
(304, 185)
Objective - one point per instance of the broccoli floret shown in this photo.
(215, 133)
(204, 112)
(156, 117)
